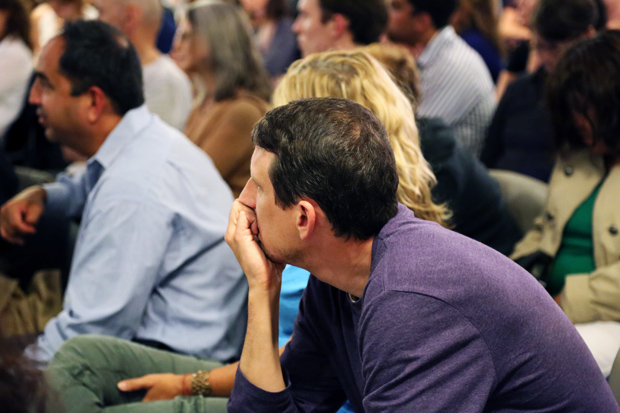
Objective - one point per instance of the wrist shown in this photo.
(201, 386)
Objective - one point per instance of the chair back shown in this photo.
(525, 196)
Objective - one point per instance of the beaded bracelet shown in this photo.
(201, 385)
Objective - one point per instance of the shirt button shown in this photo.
(568, 171)
(613, 230)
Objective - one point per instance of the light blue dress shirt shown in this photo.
(150, 261)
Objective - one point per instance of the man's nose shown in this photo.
(248, 195)
(34, 98)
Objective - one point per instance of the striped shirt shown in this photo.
(456, 86)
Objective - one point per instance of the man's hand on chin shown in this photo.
(242, 237)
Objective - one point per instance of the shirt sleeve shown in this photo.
(312, 383)
(471, 130)
(420, 354)
(67, 196)
(594, 296)
(115, 267)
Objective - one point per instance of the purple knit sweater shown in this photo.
(445, 324)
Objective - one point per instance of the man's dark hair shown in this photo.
(97, 54)
(560, 20)
(367, 18)
(439, 10)
(335, 152)
(586, 82)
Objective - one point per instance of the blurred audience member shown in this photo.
(48, 18)
(476, 22)
(520, 136)
(168, 28)
(463, 183)
(575, 248)
(215, 47)
(273, 33)
(150, 263)
(323, 25)
(455, 84)
(15, 60)
(613, 13)
(167, 90)
(23, 388)
(514, 28)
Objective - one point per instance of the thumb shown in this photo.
(32, 215)
(134, 384)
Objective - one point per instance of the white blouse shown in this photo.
(16, 68)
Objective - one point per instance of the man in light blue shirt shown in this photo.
(150, 262)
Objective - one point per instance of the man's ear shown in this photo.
(340, 24)
(95, 103)
(306, 219)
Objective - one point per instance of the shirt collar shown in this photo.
(436, 45)
(133, 122)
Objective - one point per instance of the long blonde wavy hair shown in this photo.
(357, 76)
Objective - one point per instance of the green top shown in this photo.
(576, 252)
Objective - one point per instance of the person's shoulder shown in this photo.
(15, 49)
(420, 255)
(165, 70)
(40, 11)
(245, 106)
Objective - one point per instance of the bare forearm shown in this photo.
(260, 359)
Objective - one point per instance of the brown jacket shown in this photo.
(223, 130)
(585, 297)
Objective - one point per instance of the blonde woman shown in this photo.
(357, 76)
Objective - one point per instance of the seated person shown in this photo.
(234, 86)
(15, 60)
(476, 21)
(520, 136)
(391, 318)
(455, 84)
(167, 89)
(575, 247)
(272, 23)
(150, 263)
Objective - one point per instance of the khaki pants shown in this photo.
(86, 369)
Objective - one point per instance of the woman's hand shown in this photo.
(163, 386)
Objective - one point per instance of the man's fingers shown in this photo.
(134, 384)
(32, 215)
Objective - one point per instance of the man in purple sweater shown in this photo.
(400, 314)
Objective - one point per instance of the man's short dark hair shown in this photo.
(439, 10)
(367, 18)
(335, 152)
(586, 82)
(97, 54)
(560, 20)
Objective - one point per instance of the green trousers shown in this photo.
(86, 370)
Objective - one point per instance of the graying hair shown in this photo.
(232, 54)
